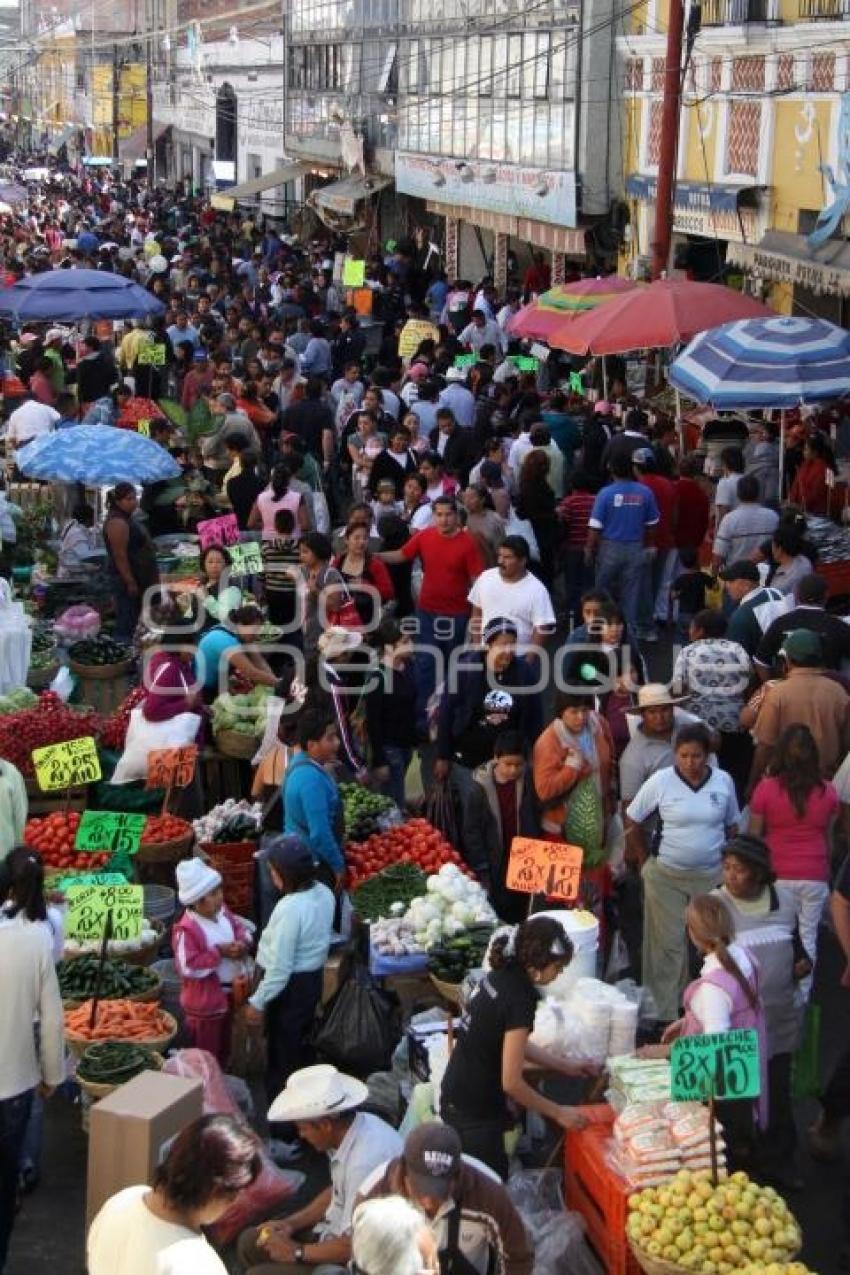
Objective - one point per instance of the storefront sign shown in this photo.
(780, 268)
(536, 193)
(724, 1065)
(708, 210)
(65, 765)
(544, 867)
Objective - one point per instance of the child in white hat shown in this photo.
(209, 942)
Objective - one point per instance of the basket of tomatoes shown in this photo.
(166, 839)
(416, 842)
(54, 836)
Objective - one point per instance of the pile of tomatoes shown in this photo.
(165, 828)
(53, 837)
(50, 722)
(414, 842)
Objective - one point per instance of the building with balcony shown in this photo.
(763, 147)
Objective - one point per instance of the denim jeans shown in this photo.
(398, 760)
(14, 1114)
(619, 569)
(444, 633)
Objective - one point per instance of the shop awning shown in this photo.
(540, 234)
(136, 145)
(782, 257)
(344, 196)
(693, 196)
(226, 200)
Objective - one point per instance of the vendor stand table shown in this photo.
(594, 1190)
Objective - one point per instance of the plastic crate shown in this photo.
(592, 1189)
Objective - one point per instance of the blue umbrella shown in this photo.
(765, 363)
(96, 454)
(69, 295)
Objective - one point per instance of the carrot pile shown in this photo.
(119, 1020)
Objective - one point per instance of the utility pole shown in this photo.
(116, 93)
(149, 143)
(669, 139)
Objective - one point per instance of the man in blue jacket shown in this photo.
(312, 807)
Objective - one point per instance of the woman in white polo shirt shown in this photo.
(698, 812)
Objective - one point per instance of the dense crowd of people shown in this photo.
(543, 602)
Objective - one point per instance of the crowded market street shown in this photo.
(424, 751)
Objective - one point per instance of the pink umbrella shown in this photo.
(544, 316)
(666, 313)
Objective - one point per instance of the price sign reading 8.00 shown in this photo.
(67, 764)
(89, 907)
(724, 1065)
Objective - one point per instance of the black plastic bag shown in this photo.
(359, 1027)
(442, 812)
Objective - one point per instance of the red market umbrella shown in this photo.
(561, 303)
(663, 314)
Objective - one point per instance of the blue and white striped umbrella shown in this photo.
(96, 454)
(778, 363)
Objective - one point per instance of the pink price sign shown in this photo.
(218, 531)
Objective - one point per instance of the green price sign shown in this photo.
(65, 765)
(524, 362)
(465, 360)
(151, 356)
(576, 383)
(90, 878)
(353, 273)
(101, 830)
(246, 559)
(90, 905)
(725, 1066)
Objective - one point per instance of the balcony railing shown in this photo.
(824, 10)
(725, 13)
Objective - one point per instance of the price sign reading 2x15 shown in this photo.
(90, 905)
(172, 767)
(105, 830)
(725, 1065)
(65, 765)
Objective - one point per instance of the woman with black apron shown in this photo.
(485, 1076)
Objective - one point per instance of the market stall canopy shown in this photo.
(663, 314)
(135, 146)
(561, 304)
(777, 362)
(96, 454)
(226, 200)
(344, 196)
(69, 295)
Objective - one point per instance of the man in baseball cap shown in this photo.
(743, 585)
(473, 1219)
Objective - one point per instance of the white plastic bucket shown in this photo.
(583, 931)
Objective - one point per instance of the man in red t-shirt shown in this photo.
(694, 507)
(451, 563)
(658, 572)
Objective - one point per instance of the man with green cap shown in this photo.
(806, 696)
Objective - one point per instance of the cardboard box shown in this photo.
(131, 1129)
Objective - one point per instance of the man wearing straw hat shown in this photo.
(323, 1104)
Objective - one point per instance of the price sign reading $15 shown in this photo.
(171, 767)
(544, 867)
(101, 830)
(723, 1065)
(90, 905)
(66, 765)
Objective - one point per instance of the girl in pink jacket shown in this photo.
(208, 943)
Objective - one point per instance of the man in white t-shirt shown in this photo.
(29, 421)
(511, 592)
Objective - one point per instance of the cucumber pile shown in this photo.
(454, 958)
(112, 1062)
(78, 978)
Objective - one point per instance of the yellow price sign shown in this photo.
(353, 273)
(67, 764)
(143, 427)
(90, 905)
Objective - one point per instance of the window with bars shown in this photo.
(715, 75)
(785, 71)
(823, 73)
(748, 74)
(634, 75)
(743, 138)
(653, 137)
(656, 82)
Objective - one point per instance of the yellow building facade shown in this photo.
(763, 147)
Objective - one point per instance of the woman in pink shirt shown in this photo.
(793, 810)
(277, 496)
